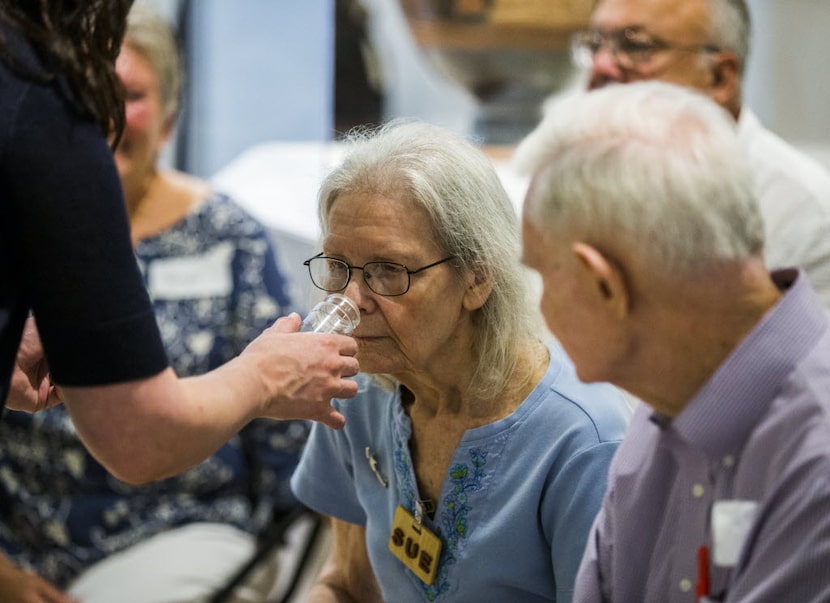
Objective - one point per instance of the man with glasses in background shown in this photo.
(704, 44)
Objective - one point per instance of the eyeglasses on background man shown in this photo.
(633, 48)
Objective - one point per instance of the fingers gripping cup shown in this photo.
(335, 314)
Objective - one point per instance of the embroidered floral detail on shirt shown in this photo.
(451, 525)
(405, 473)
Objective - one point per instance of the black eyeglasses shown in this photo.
(631, 47)
(384, 278)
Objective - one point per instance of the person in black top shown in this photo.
(66, 258)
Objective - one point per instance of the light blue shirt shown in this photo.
(515, 507)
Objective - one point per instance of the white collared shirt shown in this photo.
(794, 196)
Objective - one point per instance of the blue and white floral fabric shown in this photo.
(215, 285)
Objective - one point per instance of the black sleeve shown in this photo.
(74, 252)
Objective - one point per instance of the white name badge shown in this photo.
(731, 522)
(190, 277)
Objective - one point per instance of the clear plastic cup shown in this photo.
(335, 314)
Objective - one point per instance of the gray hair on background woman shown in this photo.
(153, 38)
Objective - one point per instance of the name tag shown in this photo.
(731, 522)
(415, 546)
(190, 277)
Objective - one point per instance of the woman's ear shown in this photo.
(168, 128)
(479, 288)
(605, 278)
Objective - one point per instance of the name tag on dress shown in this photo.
(190, 277)
(415, 546)
(731, 522)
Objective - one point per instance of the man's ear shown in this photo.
(605, 277)
(479, 288)
(725, 85)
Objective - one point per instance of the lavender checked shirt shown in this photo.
(744, 470)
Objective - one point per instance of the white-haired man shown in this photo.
(642, 220)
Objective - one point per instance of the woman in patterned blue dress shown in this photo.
(212, 274)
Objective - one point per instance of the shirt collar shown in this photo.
(748, 123)
(720, 417)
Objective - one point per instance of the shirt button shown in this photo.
(685, 585)
(728, 461)
(697, 490)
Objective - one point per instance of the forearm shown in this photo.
(332, 587)
(18, 585)
(322, 592)
(158, 427)
(347, 576)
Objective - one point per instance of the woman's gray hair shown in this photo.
(730, 27)
(151, 35)
(472, 219)
(650, 168)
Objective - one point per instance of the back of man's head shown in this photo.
(648, 169)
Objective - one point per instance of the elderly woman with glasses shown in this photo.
(473, 460)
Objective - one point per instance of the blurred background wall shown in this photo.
(258, 70)
(264, 70)
(788, 83)
(272, 83)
